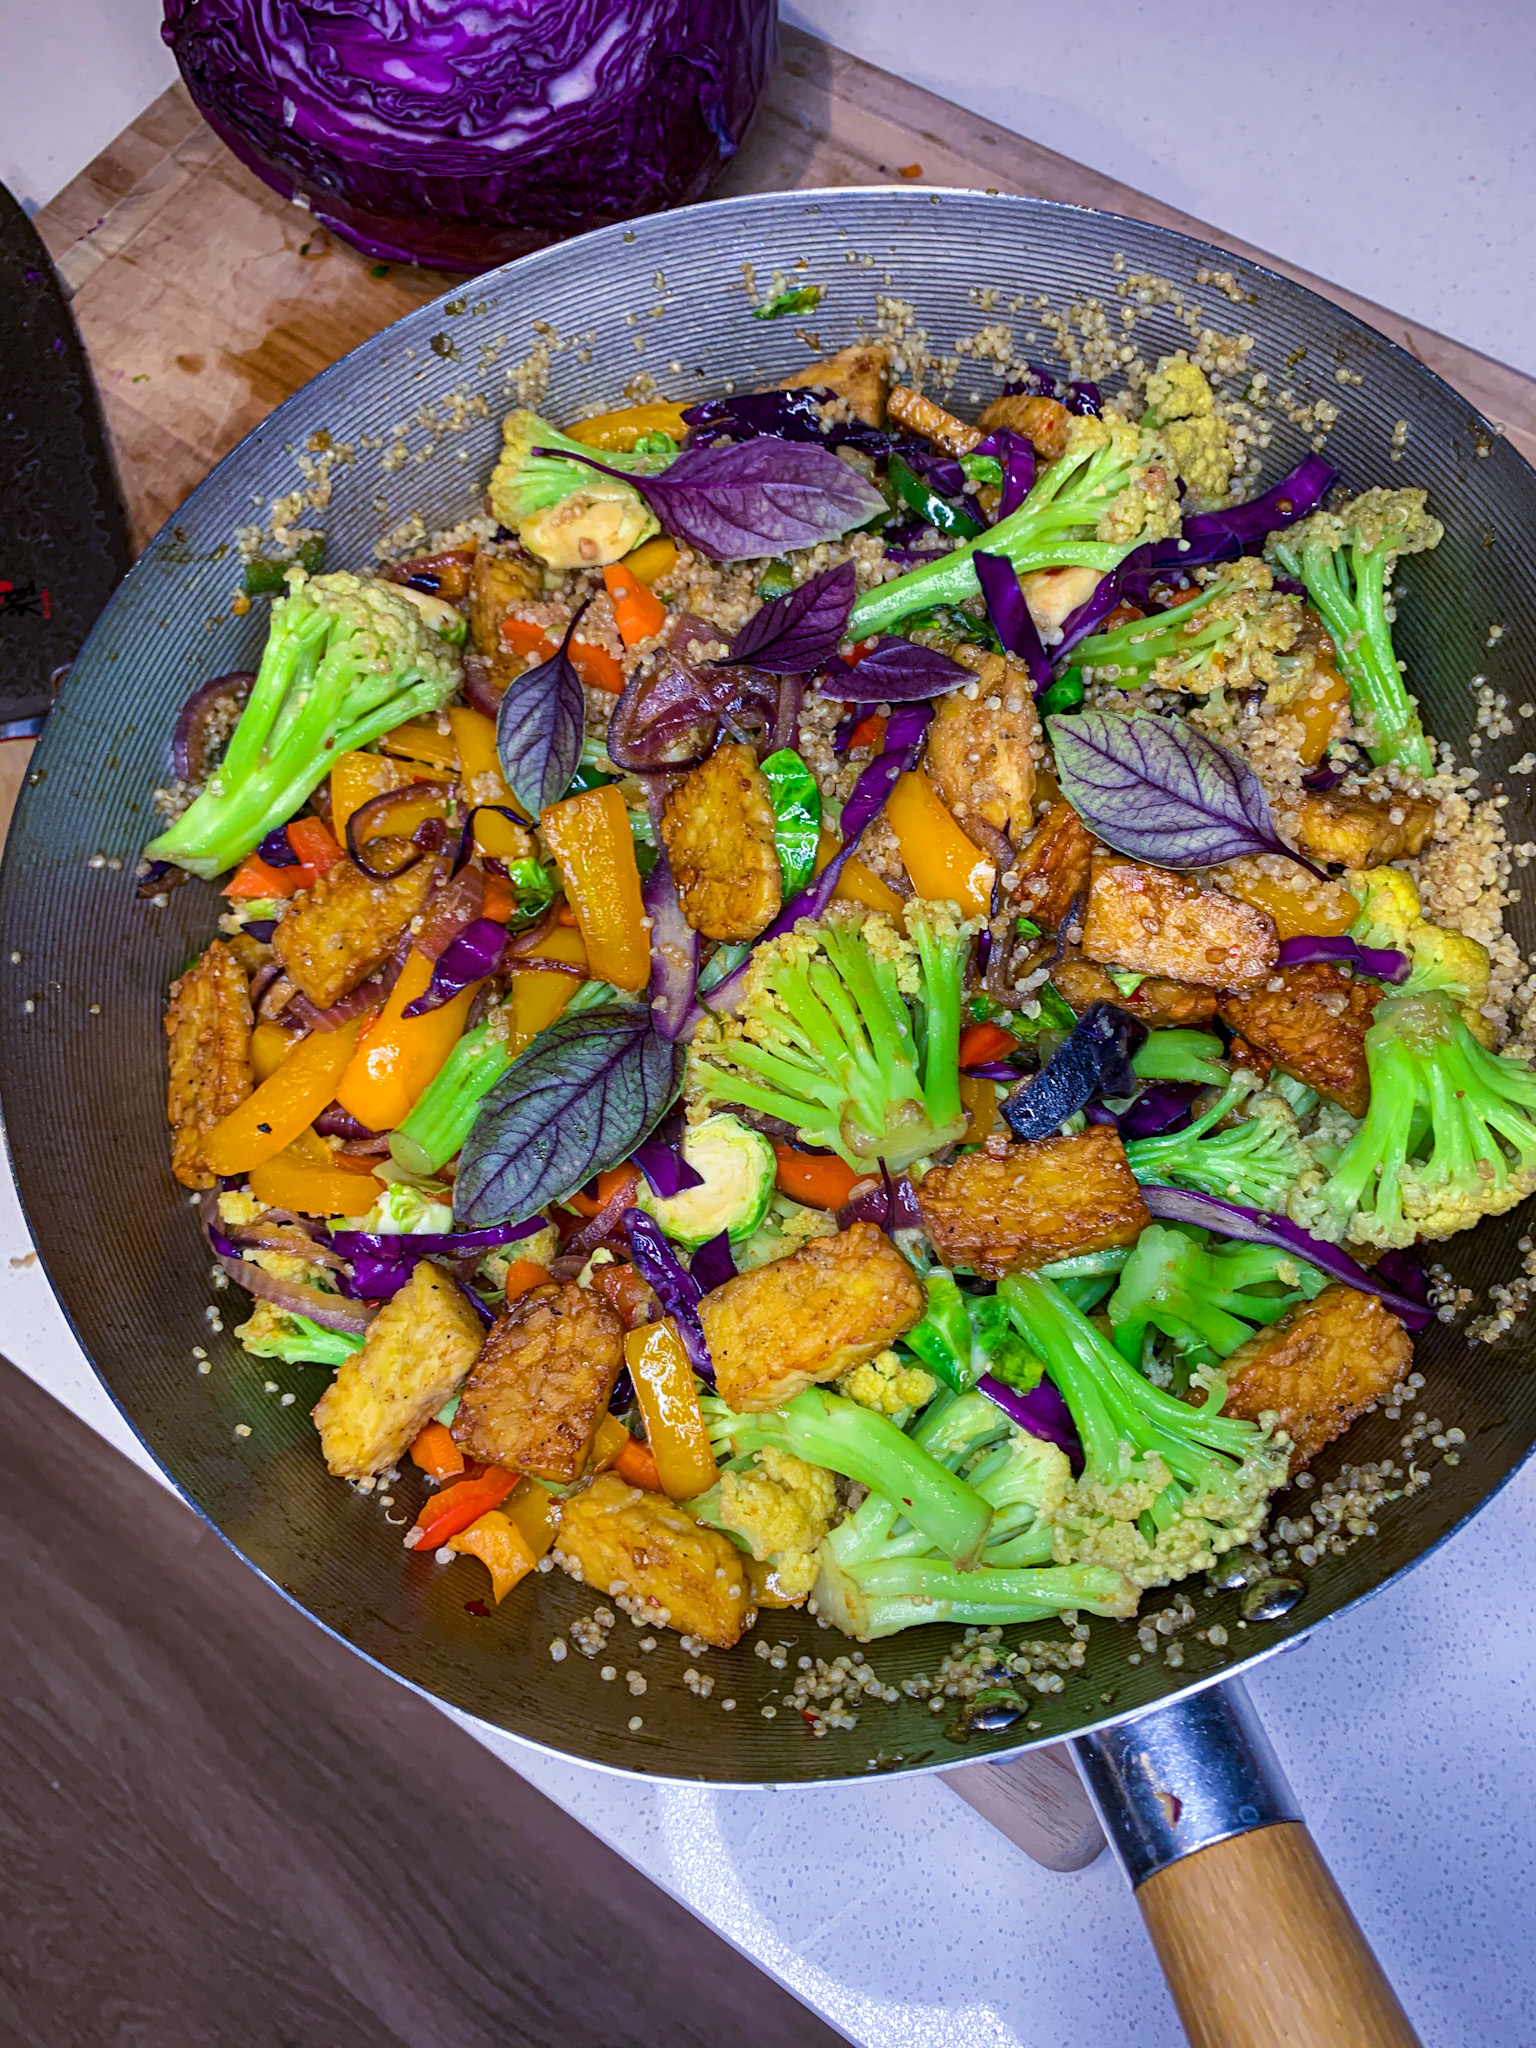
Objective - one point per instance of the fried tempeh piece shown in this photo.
(818, 1313)
(347, 925)
(1312, 1027)
(500, 584)
(717, 828)
(982, 760)
(1044, 422)
(541, 1384)
(1155, 1001)
(860, 375)
(1053, 869)
(420, 1346)
(666, 1570)
(918, 415)
(1053, 595)
(1361, 831)
(1153, 922)
(1009, 1209)
(1319, 1367)
(208, 1022)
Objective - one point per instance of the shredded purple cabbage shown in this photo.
(473, 956)
(673, 1285)
(1381, 963)
(666, 1171)
(1017, 456)
(1010, 615)
(277, 851)
(1042, 1412)
(713, 1263)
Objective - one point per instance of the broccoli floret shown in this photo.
(824, 1429)
(347, 658)
(1449, 1137)
(1226, 637)
(891, 1385)
(1112, 490)
(963, 1336)
(779, 1508)
(879, 1573)
(850, 1033)
(1179, 1054)
(1167, 1487)
(272, 1333)
(1442, 960)
(1206, 1299)
(1182, 405)
(1346, 560)
(1254, 1162)
(568, 514)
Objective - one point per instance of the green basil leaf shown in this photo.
(796, 817)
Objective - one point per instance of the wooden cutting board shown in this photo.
(204, 300)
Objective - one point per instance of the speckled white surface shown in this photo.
(1407, 1727)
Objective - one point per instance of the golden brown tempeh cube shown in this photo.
(348, 924)
(501, 584)
(983, 761)
(1153, 922)
(540, 1387)
(717, 827)
(860, 375)
(1155, 1001)
(641, 1550)
(1319, 1367)
(1054, 867)
(1044, 422)
(420, 1346)
(1361, 831)
(1009, 1209)
(818, 1313)
(1313, 1027)
(208, 1023)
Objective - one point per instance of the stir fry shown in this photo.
(835, 1005)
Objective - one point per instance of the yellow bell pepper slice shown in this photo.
(652, 560)
(538, 997)
(501, 1547)
(621, 430)
(400, 1055)
(483, 783)
(1318, 709)
(270, 1046)
(419, 741)
(356, 779)
(1301, 905)
(859, 884)
(669, 1401)
(978, 1098)
(590, 838)
(611, 1439)
(285, 1104)
(944, 865)
(304, 1176)
(531, 1508)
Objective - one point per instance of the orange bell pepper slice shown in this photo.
(590, 838)
(859, 884)
(482, 781)
(819, 1182)
(669, 1401)
(980, 1044)
(609, 1182)
(636, 612)
(456, 1506)
(285, 1104)
(533, 1511)
(270, 1046)
(400, 1055)
(305, 1176)
(538, 996)
(1318, 708)
(621, 430)
(436, 1453)
(608, 1443)
(978, 1098)
(944, 865)
(652, 560)
(498, 900)
(501, 1547)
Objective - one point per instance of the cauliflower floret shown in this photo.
(1442, 959)
(781, 1508)
(1182, 405)
(1099, 1524)
(891, 1385)
(239, 1205)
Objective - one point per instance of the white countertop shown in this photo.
(903, 1918)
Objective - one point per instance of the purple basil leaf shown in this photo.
(1252, 1226)
(1094, 1060)
(1010, 617)
(793, 634)
(1018, 459)
(796, 415)
(674, 954)
(580, 1099)
(1042, 1412)
(738, 503)
(1159, 791)
(473, 956)
(540, 726)
(713, 1263)
(896, 671)
(666, 1171)
(675, 1288)
(1381, 963)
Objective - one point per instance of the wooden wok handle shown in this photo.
(1258, 1946)
(1261, 1951)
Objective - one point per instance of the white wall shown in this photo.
(1387, 144)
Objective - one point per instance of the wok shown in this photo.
(82, 1061)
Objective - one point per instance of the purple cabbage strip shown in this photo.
(276, 850)
(1042, 1412)
(1163, 1107)
(1017, 456)
(1076, 394)
(713, 1263)
(1381, 963)
(1094, 1060)
(788, 415)
(1010, 617)
(666, 1171)
(674, 1286)
(481, 1308)
(994, 1070)
(406, 1247)
(473, 956)
(891, 1204)
(674, 954)
(1252, 1226)
(1403, 1269)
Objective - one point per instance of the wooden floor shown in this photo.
(219, 1829)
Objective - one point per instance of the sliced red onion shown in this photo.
(995, 1070)
(365, 997)
(786, 717)
(275, 998)
(1322, 779)
(262, 980)
(674, 953)
(890, 1203)
(475, 955)
(377, 808)
(336, 1122)
(713, 1263)
(479, 690)
(260, 929)
(218, 700)
(1043, 1412)
(328, 1310)
(674, 1287)
(603, 1228)
(1381, 963)
(277, 851)
(481, 1308)
(674, 705)
(666, 1171)
(1251, 1226)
